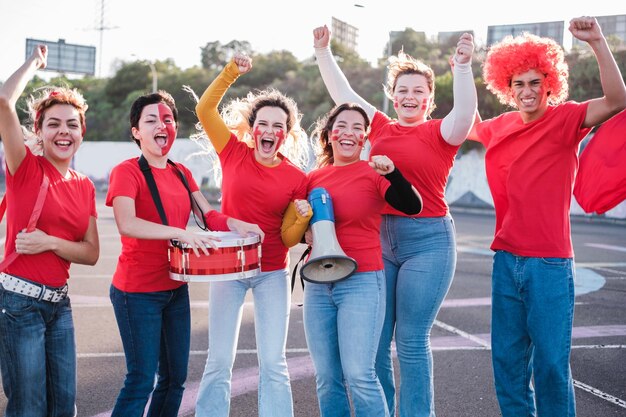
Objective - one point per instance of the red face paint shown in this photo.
(280, 136)
(424, 103)
(361, 139)
(167, 118)
(334, 137)
(395, 103)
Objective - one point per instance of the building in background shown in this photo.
(552, 30)
(346, 34)
(612, 27)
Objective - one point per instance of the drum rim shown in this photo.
(229, 240)
(233, 276)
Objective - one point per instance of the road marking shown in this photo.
(601, 394)
(461, 333)
(604, 246)
(245, 380)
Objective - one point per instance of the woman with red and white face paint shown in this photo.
(37, 347)
(152, 310)
(343, 320)
(419, 251)
(261, 149)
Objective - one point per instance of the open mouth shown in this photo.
(267, 145)
(161, 140)
(347, 144)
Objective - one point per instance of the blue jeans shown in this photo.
(272, 303)
(532, 311)
(155, 328)
(37, 356)
(342, 323)
(420, 260)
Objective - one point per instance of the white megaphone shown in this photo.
(327, 263)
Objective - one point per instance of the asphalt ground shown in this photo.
(460, 338)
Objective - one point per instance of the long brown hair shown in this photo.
(323, 129)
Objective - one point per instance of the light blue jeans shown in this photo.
(532, 312)
(342, 323)
(272, 302)
(420, 260)
(37, 356)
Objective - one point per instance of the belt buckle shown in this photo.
(58, 294)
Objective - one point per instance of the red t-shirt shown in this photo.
(67, 209)
(421, 154)
(531, 169)
(601, 180)
(259, 194)
(143, 265)
(358, 195)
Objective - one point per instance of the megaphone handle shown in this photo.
(306, 252)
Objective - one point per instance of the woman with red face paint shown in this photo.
(419, 251)
(152, 311)
(343, 320)
(51, 223)
(260, 184)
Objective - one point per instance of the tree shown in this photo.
(215, 55)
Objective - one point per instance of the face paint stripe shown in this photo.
(166, 113)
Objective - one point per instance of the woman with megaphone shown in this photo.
(343, 319)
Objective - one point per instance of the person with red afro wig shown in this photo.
(520, 54)
(531, 163)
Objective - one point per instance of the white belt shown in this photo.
(31, 289)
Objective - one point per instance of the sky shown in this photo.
(157, 30)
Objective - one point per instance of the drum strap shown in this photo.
(295, 269)
(147, 172)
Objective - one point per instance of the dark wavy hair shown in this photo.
(323, 129)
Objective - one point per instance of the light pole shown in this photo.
(154, 76)
(389, 52)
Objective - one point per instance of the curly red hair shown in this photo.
(517, 55)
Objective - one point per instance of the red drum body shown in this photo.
(236, 257)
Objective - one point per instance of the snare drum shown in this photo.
(236, 257)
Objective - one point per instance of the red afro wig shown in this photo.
(517, 55)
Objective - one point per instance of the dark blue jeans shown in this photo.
(37, 356)
(155, 328)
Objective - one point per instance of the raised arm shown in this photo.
(206, 109)
(336, 82)
(456, 126)
(614, 100)
(10, 129)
